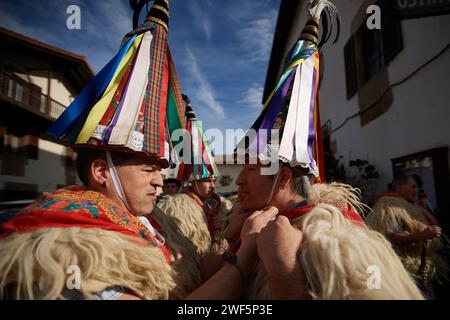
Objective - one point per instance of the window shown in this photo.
(373, 52)
(368, 51)
(43, 105)
(225, 180)
(14, 143)
(350, 68)
(19, 92)
(10, 88)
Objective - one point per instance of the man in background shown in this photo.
(413, 231)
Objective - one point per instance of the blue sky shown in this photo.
(221, 48)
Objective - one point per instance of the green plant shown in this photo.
(363, 175)
(358, 173)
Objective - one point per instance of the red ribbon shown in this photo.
(349, 214)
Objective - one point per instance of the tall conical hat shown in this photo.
(135, 102)
(201, 164)
(293, 106)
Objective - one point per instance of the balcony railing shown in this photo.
(28, 96)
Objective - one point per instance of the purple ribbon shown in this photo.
(107, 133)
(312, 131)
(273, 109)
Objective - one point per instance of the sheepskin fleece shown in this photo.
(37, 264)
(185, 260)
(337, 256)
(191, 220)
(389, 212)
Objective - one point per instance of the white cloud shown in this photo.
(257, 35)
(201, 20)
(253, 96)
(206, 26)
(202, 89)
(103, 24)
(11, 23)
(104, 29)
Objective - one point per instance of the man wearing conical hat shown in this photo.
(200, 211)
(318, 247)
(93, 241)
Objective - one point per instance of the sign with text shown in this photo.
(409, 9)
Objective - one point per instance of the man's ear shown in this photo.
(285, 177)
(100, 171)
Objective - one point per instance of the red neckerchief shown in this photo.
(80, 207)
(297, 211)
(209, 213)
(349, 214)
(301, 210)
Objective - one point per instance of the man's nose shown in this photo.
(157, 181)
(240, 179)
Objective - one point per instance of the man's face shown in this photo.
(205, 188)
(253, 188)
(170, 188)
(140, 178)
(408, 190)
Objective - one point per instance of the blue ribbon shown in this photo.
(88, 95)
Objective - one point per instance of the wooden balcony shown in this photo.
(27, 96)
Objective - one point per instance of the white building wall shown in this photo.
(48, 171)
(231, 170)
(59, 91)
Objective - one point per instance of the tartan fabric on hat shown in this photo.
(177, 92)
(124, 108)
(153, 96)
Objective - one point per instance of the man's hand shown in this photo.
(237, 218)
(430, 233)
(252, 227)
(406, 239)
(278, 246)
(218, 222)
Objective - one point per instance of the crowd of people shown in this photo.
(287, 235)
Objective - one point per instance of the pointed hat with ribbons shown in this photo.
(200, 162)
(288, 127)
(135, 102)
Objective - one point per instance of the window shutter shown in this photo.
(392, 31)
(350, 68)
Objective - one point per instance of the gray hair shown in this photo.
(302, 181)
